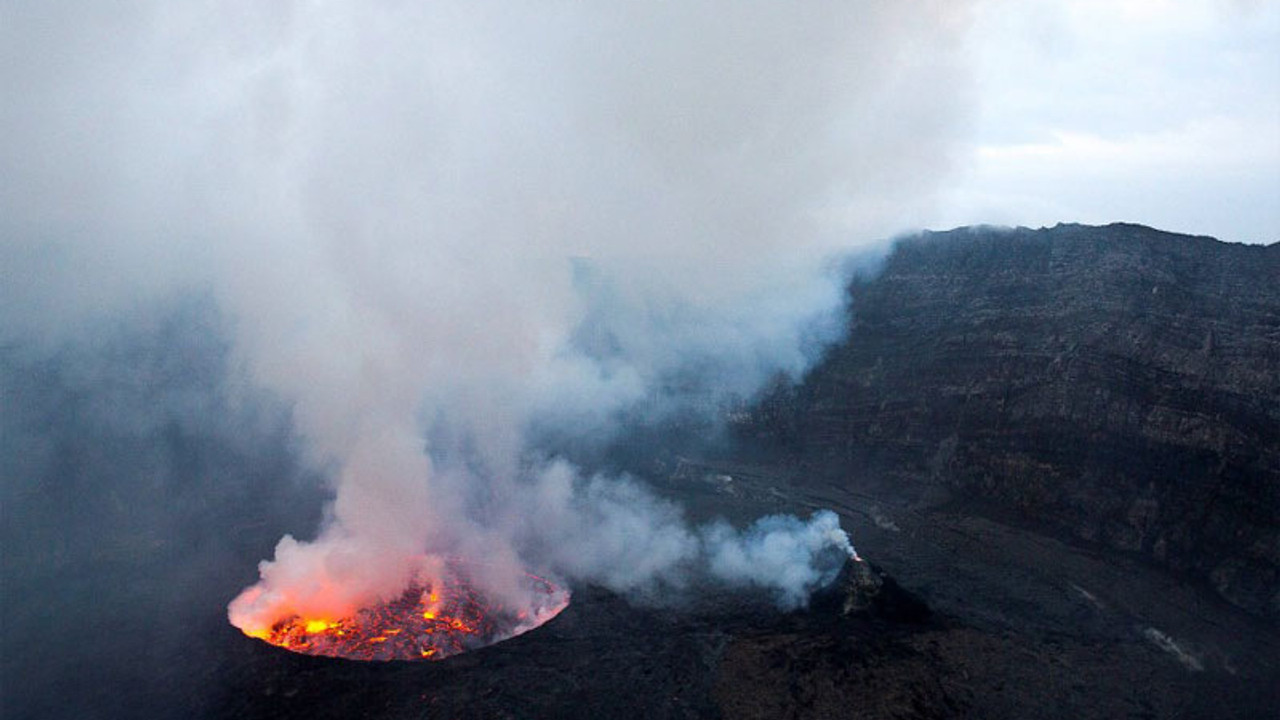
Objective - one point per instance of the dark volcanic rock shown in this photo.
(137, 498)
(863, 588)
(605, 657)
(1117, 383)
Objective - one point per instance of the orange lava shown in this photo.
(429, 621)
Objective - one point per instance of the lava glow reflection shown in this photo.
(431, 620)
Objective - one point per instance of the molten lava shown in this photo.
(431, 620)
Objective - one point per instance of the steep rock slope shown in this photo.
(1117, 383)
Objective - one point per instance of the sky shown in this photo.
(1161, 112)
(1025, 112)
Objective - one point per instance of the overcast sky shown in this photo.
(1163, 112)
(148, 145)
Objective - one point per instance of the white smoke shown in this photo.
(389, 200)
(781, 553)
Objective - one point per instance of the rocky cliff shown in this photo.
(1118, 384)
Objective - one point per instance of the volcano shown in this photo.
(435, 617)
(955, 438)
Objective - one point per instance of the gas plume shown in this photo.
(438, 226)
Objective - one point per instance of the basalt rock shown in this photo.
(864, 589)
(1117, 384)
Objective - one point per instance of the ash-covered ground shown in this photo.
(990, 621)
(995, 623)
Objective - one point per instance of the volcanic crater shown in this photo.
(438, 615)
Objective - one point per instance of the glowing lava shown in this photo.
(431, 620)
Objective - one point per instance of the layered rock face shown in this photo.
(1117, 383)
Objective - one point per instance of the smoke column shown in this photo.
(415, 212)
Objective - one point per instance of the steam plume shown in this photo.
(388, 200)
